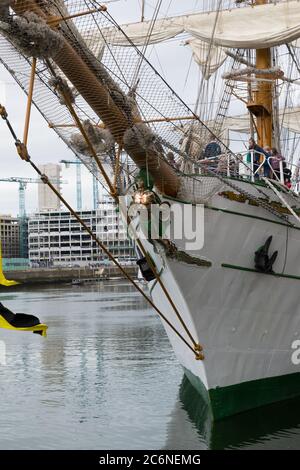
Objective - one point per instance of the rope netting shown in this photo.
(142, 103)
(119, 98)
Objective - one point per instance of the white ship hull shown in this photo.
(246, 321)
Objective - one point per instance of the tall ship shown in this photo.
(221, 256)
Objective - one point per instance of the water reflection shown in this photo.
(106, 378)
(275, 426)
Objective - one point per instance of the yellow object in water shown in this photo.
(3, 281)
(21, 321)
(40, 329)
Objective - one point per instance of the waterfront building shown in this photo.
(56, 237)
(10, 236)
(15, 264)
(23, 234)
(47, 200)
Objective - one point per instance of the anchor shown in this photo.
(264, 262)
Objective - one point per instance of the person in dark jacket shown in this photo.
(258, 154)
(212, 149)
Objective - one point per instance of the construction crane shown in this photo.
(22, 211)
(22, 186)
(78, 164)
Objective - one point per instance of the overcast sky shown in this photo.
(172, 59)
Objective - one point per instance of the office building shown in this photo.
(57, 238)
(10, 236)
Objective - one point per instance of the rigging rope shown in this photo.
(261, 203)
(24, 155)
(174, 95)
(114, 194)
(147, 40)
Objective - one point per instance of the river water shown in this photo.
(106, 378)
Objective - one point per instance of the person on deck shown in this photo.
(171, 160)
(212, 149)
(258, 154)
(287, 178)
(267, 162)
(275, 160)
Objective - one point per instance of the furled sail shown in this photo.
(139, 33)
(207, 56)
(289, 119)
(255, 27)
(211, 33)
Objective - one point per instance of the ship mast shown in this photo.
(261, 103)
(143, 11)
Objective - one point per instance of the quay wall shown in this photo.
(64, 275)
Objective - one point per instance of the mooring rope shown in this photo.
(24, 155)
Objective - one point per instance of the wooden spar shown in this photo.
(169, 119)
(261, 107)
(162, 119)
(29, 101)
(97, 96)
(56, 20)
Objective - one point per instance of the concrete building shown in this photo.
(46, 197)
(57, 238)
(10, 236)
(23, 233)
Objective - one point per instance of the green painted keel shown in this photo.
(233, 399)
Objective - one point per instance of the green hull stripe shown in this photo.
(241, 268)
(233, 399)
(250, 216)
(240, 214)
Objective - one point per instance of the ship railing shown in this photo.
(284, 173)
(245, 165)
(224, 164)
(276, 174)
(241, 165)
(249, 167)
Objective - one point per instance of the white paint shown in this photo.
(264, 309)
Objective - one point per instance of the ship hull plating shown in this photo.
(247, 322)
